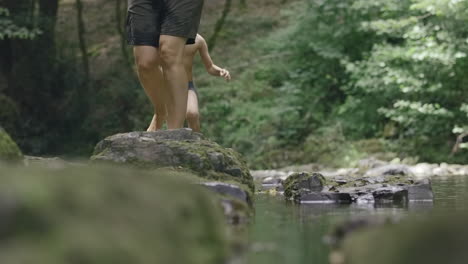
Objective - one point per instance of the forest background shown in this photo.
(315, 81)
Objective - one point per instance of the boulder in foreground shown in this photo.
(107, 215)
(431, 239)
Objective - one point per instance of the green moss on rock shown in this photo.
(9, 151)
(177, 148)
(298, 182)
(107, 215)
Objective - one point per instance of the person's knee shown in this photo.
(193, 116)
(147, 64)
(170, 55)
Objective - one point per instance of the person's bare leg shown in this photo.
(160, 112)
(151, 78)
(193, 114)
(172, 52)
(160, 116)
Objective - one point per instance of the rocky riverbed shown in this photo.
(374, 182)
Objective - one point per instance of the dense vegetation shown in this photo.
(321, 81)
(351, 78)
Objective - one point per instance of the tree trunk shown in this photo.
(219, 24)
(120, 11)
(82, 40)
(48, 17)
(17, 8)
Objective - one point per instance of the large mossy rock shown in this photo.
(9, 151)
(298, 184)
(103, 215)
(180, 148)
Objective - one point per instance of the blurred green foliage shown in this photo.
(347, 71)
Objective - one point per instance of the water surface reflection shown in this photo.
(288, 233)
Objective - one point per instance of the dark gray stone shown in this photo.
(302, 183)
(365, 199)
(313, 183)
(421, 191)
(324, 197)
(228, 189)
(390, 195)
(236, 172)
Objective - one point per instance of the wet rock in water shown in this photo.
(107, 216)
(365, 199)
(421, 191)
(390, 195)
(179, 148)
(389, 170)
(227, 189)
(9, 151)
(299, 184)
(323, 197)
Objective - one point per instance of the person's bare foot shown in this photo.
(153, 126)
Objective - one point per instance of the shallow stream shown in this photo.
(286, 233)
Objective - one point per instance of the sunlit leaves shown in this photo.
(10, 30)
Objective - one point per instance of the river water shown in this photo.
(286, 233)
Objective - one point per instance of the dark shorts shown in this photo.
(148, 19)
(192, 87)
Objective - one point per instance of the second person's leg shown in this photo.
(193, 114)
